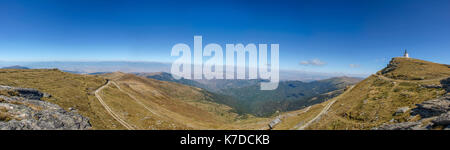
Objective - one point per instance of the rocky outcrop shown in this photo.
(401, 126)
(401, 110)
(22, 109)
(432, 108)
(437, 110)
(390, 67)
(27, 93)
(446, 84)
(442, 120)
(274, 122)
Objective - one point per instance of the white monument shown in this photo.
(406, 54)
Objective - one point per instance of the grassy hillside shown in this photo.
(375, 100)
(152, 104)
(414, 69)
(67, 90)
(245, 96)
(140, 102)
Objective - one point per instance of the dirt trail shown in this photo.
(324, 110)
(109, 110)
(327, 107)
(415, 81)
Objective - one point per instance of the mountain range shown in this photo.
(246, 97)
(96, 67)
(407, 94)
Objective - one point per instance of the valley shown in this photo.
(383, 99)
(404, 95)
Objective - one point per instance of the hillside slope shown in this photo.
(126, 101)
(213, 85)
(245, 96)
(152, 104)
(384, 98)
(290, 95)
(72, 92)
(23, 109)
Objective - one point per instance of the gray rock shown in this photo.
(401, 110)
(390, 67)
(274, 122)
(446, 84)
(432, 86)
(28, 112)
(400, 126)
(46, 95)
(442, 120)
(431, 108)
(24, 92)
(436, 110)
(447, 128)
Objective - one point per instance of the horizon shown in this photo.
(359, 37)
(154, 67)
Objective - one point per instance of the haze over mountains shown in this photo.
(407, 94)
(246, 97)
(95, 67)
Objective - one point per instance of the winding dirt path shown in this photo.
(109, 110)
(328, 106)
(324, 110)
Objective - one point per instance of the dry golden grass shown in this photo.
(293, 120)
(153, 104)
(4, 115)
(374, 100)
(415, 69)
(67, 90)
(143, 103)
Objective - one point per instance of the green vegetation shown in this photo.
(245, 96)
(290, 95)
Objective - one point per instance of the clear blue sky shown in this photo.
(322, 36)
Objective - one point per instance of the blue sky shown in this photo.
(357, 37)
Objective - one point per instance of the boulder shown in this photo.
(442, 120)
(432, 86)
(433, 107)
(27, 112)
(401, 110)
(274, 122)
(400, 126)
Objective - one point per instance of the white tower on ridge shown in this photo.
(406, 54)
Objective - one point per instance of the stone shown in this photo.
(432, 86)
(400, 126)
(30, 113)
(274, 122)
(401, 110)
(447, 128)
(436, 110)
(442, 120)
(431, 108)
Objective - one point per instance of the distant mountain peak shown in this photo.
(15, 67)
